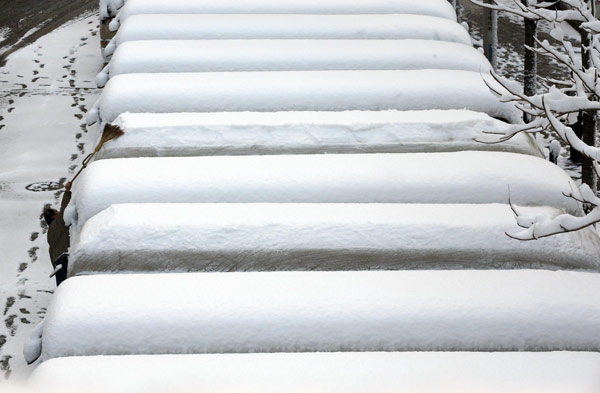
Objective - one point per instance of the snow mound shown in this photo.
(438, 8)
(251, 133)
(291, 55)
(299, 91)
(33, 348)
(384, 372)
(345, 236)
(427, 310)
(109, 8)
(462, 177)
(204, 27)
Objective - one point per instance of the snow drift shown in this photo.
(298, 91)
(251, 133)
(462, 177)
(383, 372)
(438, 8)
(320, 236)
(223, 27)
(290, 55)
(186, 313)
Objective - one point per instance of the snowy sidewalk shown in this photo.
(44, 94)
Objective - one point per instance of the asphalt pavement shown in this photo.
(20, 16)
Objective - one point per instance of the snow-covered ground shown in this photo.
(45, 90)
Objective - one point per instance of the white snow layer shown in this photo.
(299, 91)
(438, 8)
(461, 177)
(203, 27)
(320, 236)
(427, 310)
(251, 133)
(290, 55)
(382, 372)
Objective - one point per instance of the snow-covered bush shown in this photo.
(461, 177)
(308, 132)
(438, 8)
(248, 26)
(290, 55)
(427, 310)
(298, 91)
(318, 236)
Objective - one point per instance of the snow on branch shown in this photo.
(535, 10)
(556, 107)
(540, 226)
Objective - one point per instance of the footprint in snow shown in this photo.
(33, 253)
(22, 295)
(5, 365)
(10, 301)
(9, 322)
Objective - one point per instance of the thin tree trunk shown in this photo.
(588, 176)
(530, 69)
(490, 34)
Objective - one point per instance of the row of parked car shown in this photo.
(301, 201)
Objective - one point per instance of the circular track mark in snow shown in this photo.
(44, 186)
